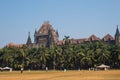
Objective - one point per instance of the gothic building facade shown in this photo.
(93, 38)
(47, 36)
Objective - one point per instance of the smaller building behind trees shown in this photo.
(48, 51)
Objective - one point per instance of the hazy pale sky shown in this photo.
(74, 18)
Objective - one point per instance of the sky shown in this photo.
(74, 18)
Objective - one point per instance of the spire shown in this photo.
(35, 35)
(35, 32)
(117, 32)
(57, 33)
(29, 39)
(117, 36)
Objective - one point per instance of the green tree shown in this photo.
(102, 53)
(55, 54)
(43, 55)
(115, 56)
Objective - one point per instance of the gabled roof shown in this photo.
(93, 38)
(107, 37)
(44, 29)
(47, 29)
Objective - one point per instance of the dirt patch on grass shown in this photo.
(60, 75)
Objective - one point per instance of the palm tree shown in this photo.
(55, 53)
(116, 56)
(86, 60)
(66, 51)
(1, 57)
(20, 57)
(33, 58)
(103, 53)
(43, 55)
(7, 57)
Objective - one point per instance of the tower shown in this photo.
(117, 36)
(45, 36)
(35, 36)
(29, 42)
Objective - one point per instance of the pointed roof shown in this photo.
(35, 31)
(117, 32)
(44, 29)
(29, 39)
(93, 38)
(107, 37)
(47, 29)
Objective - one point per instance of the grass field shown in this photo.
(60, 75)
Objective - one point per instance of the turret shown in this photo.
(35, 35)
(57, 33)
(117, 36)
(29, 42)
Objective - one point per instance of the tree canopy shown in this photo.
(67, 56)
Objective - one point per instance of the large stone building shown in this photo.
(93, 38)
(45, 36)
